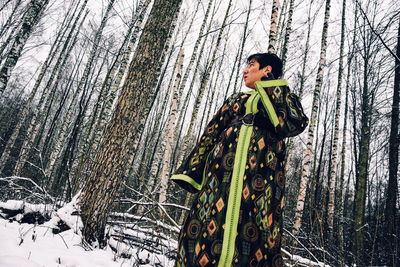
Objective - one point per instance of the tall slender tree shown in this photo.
(170, 132)
(274, 27)
(306, 172)
(336, 125)
(56, 46)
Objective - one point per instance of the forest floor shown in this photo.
(27, 245)
(46, 242)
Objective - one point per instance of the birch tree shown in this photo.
(288, 31)
(274, 27)
(336, 125)
(341, 200)
(306, 172)
(106, 109)
(47, 93)
(170, 132)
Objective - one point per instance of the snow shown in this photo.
(64, 213)
(27, 245)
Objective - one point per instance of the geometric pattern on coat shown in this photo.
(207, 171)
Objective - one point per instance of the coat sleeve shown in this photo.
(189, 174)
(282, 107)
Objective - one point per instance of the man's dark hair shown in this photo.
(265, 59)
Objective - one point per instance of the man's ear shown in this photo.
(267, 69)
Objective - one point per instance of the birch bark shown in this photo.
(274, 27)
(27, 107)
(47, 93)
(170, 134)
(331, 203)
(306, 172)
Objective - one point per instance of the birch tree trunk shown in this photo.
(170, 134)
(341, 199)
(120, 142)
(29, 21)
(302, 75)
(288, 31)
(106, 97)
(331, 203)
(189, 67)
(242, 45)
(9, 21)
(273, 28)
(163, 139)
(306, 172)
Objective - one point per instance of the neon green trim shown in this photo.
(260, 85)
(190, 180)
(187, 179)
(236, 187)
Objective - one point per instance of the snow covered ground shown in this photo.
(35, 245)
(27, 245)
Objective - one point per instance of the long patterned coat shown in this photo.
(237, 171)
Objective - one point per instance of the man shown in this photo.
(237, 170)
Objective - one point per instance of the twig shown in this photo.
(377, 34)
(298, 241)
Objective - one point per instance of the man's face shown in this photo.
(253, 73)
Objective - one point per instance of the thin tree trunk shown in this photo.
(170, 133)
(343, 165)
(331, 203)
(193, 57)
(10, 19)
(106, 109)
(242, 45)
(288, 31)
(274, 27)
(309, 145)
(48, 91)
(102, 108)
